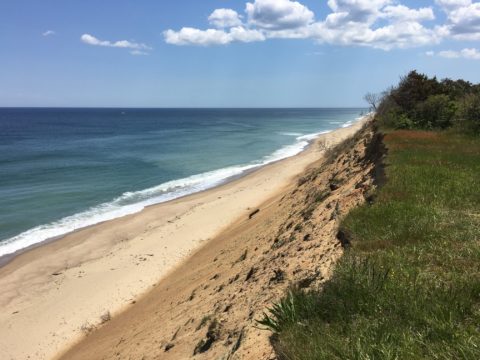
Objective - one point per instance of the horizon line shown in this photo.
(184, 108)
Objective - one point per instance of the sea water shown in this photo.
(64, 169)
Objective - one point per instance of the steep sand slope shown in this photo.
(209, 304)
(53, 294)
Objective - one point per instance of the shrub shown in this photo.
(468, 114)
(403, 122)
(437, 111)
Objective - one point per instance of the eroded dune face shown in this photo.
(208, 306)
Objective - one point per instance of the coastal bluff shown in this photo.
(208, 307)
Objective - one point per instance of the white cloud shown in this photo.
(48, 33)
(278, 14)
(467, 53)
(192, 36)
(383, 24)
(224, 18)
(137, 48)
(471, 54)
(396, 35)
(403, 13)
(242, 34)
(364, 11)
(354, 22)
(138, 52)
(450, 5)
(449, 54)
(463, 19)
(265, 19)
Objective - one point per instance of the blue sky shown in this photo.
(226, 53)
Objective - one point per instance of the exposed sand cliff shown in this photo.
(206, 308)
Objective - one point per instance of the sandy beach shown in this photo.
(54, 294)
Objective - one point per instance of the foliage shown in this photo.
(435, 111)
(420, 102)
(469, 113)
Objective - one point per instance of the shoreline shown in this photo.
(51, 291)
(7, 258)
(245, 169)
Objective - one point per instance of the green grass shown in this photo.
(409, 286)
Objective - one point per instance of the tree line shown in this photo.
(421, 102)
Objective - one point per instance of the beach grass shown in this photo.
(409, 285)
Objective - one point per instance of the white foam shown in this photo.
(290, 133)
(350, 123)
(134, 202)
(310, 137)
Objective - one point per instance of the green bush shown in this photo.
(394, 118)
(403, 122)
(438, 111)
(468, 115)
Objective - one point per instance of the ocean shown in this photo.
(64, 169)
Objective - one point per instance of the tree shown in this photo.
(413, 89)
(372, 99)
(421, 102)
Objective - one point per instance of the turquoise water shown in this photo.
(63, 169)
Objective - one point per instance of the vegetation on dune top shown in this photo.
(420, 102)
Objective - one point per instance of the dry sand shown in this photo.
(52, 295)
